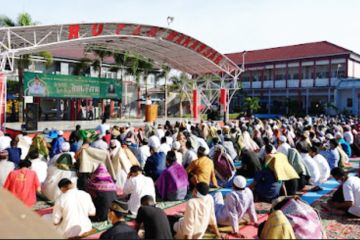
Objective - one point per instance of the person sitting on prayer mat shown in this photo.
(237, 203)
(154, 220)
(72, 210)
(23, 183)
(102, 190)
(119, 229)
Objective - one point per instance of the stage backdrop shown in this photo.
(50, 85)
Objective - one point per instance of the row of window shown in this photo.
(296, 76)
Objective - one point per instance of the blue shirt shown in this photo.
(14, 155)
(330, 157)
(345, 146)
(155, 165)
(267, 188)
(56, 146)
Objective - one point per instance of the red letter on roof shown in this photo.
(74, 31)
(153, 31)
(180, 38)
(137, 30)
(194, 45)
(186, 42)
(119, 28)
(97, 29)
(202, 47)
(218, 59)
(171, 36)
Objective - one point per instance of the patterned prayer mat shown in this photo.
(343, 227)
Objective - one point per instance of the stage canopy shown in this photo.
(163, 45)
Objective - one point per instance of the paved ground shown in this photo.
(70, 125)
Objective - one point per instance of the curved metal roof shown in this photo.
(163, 45)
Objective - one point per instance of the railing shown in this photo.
(292, 83)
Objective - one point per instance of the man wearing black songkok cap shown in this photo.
(119, 230)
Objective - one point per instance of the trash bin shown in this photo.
(151, 112)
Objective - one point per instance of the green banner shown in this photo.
(63, 86)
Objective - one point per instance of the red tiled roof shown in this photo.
(305, 50)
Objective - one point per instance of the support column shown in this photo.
(335, 99)
(287, 99)
(355, 104)
(307, 101)
(112, 106)
(269, 101)
(329, 81)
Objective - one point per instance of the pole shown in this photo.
(165, 102)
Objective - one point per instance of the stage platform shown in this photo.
(67, 126)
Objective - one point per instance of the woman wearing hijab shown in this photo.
(63, 168)
(41, 145)
(102, 189)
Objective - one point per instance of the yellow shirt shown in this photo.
(277, 227)
(199, 214)
(281, 167)
(203, 170)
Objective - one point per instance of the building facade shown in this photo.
(310, 78)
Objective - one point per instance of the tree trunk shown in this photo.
(181, 108)
(139, 104)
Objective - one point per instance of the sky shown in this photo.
(227, 25)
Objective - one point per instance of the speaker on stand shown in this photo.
(32, 116)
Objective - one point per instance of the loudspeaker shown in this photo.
(32, 116)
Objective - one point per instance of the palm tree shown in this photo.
(181, 84)
(82, 67)
(252, 104)
(23, 61)
(100, 54)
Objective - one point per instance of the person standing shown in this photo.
(154, 220)
(72, 210)
(23, 183)
(119, 229)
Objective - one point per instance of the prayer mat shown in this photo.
(337, 227)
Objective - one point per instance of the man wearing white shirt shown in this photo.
(5, 167)
(348, 136)
(310, 164)
(349, 188)
(103, 127)
(72, 210)
(144, 152)
(137, 185)
(38, 165)
(283, 145)
(164, 147)
(100, 143)
(4, 141)
(176, 146)
(322, 163)
(190, 155)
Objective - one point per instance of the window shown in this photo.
(349, 103)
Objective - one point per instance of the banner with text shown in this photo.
(62, 86)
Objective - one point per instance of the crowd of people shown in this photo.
(115, 171)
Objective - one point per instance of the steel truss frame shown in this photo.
(163, 45)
